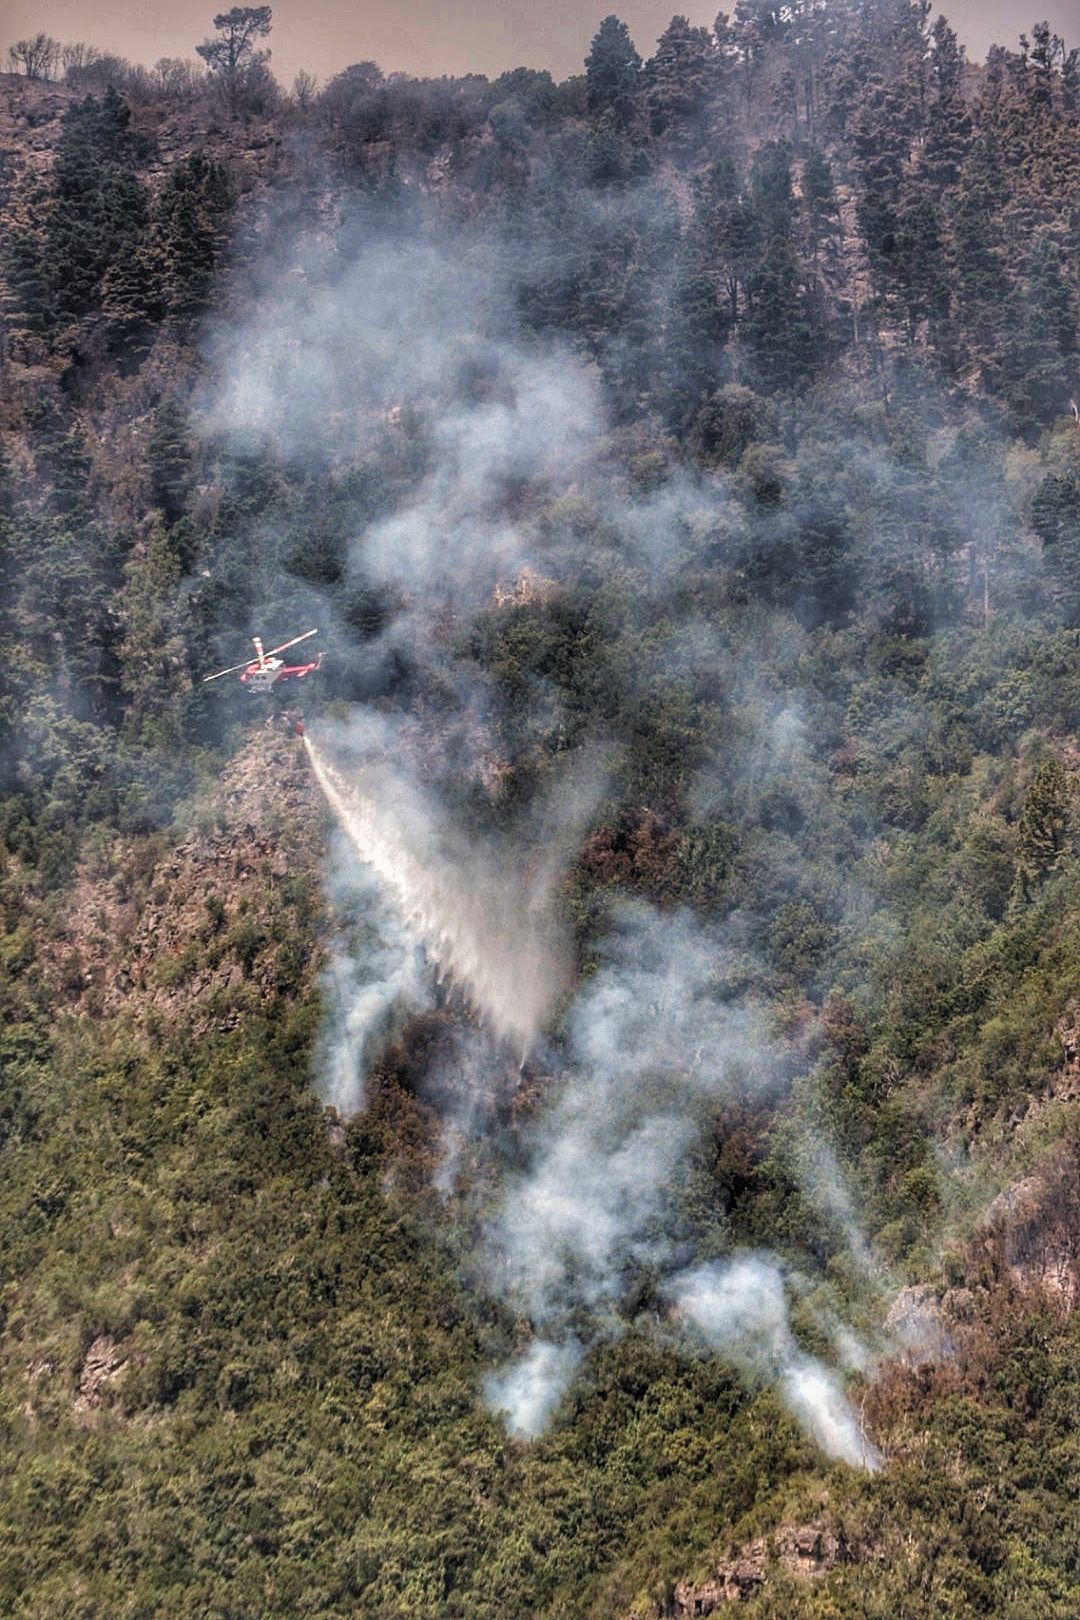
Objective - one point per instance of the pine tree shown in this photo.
(696, 328)
(948, 136)
(27, 284)
(820, 209)
(949, 127)
(1039, 340)
(771, 188)
(610, 152)
(1045, 822)
(1070, 82)
(151, 655)
(232, 56)
(169, 460)
(743, 40)
(1050, 295)
(188, 235)
(946, 60)
(784, 330)
(132, 303)
(918, 267)
(729, 221)
(613, 73)
(98, 207)
(681, 84)
(979, 270)
(1055, 517)
(62, 463)
(1039, 58)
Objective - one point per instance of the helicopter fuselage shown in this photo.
(268, 670)
(272, 671)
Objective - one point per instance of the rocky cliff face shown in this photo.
(31, 111)
(800, 1550)
(1031, 1232)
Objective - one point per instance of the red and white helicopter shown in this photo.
(267, 669)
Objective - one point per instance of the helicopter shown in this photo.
(267, 669)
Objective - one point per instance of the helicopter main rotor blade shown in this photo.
(231, 671)
(305, 637)
(262, 656)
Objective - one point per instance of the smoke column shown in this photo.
(740, 1310)
(373, 982)
(649, 1034)
(500, 433)
(655, 1037)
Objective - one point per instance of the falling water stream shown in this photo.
(483, 921)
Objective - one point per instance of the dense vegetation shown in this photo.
(815, 582)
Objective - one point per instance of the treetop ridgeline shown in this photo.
(855, 186)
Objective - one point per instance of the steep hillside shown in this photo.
(675, 892)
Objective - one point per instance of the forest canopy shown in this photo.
(682, 465)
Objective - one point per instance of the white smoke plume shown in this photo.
(650, 1038)
(409, 346)
(527, 1391)
(401, 343)
(456, 538)
(342, 333)
(662, 1028)
(467, 1085)
(825, 1184)
(740, 1309)
(376, 976)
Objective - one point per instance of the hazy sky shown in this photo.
(440, 36)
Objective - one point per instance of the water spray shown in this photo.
(485, 924)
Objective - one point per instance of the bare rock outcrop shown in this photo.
(1031, 1232)
(103, 1364)
(918, 1323)
(806, 1551)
